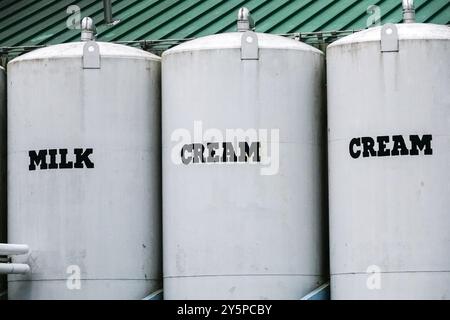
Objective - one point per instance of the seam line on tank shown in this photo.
(65, 279)
(388, 272)
(246, 275)
(347, 138)
(152, 149)
(148, 150)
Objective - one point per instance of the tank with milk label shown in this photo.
(389, 160)
(244, 190)
(84, 170)
(2, 171)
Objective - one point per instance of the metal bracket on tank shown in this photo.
(389, 38)
(91, 55)
(249, 46)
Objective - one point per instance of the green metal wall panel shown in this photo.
(43, 22)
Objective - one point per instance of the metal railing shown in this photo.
(159, 46)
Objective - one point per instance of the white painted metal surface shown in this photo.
(2, 167)
(230, 232)
(99, 223)
(389, 213)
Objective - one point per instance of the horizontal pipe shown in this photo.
(7, 249)
(14, 268)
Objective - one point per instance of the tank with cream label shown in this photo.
(389, 160)
(244, 189)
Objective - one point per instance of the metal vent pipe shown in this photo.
(107, 8)
(245, 21)
(88, 30)
(409, 12)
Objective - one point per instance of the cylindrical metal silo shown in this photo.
(84, 171)
(243, 167)
(2, 169)
(389, 160)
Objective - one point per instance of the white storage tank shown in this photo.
(244, 190)
(84, 170)
(2, 171)
(389, 160)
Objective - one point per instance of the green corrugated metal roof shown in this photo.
(43, 22)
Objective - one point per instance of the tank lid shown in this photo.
(409, 31)
(75, 50)
(233, 40)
